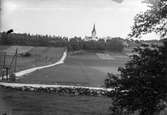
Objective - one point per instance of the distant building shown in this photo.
(93, 35)
(94, 32)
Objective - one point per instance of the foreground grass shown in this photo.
(31, 103)
(14, 102)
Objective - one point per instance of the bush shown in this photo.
(114, 44)
(27, 54)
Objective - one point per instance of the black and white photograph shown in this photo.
(83, 57)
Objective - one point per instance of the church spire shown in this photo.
(94, 31)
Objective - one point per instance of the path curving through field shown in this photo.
(30, 70)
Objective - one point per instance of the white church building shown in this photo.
(93, 35)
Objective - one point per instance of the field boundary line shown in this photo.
(60, 89)
(17, 85)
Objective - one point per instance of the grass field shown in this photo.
(86, 68)
(31, 103)
(39, 55)
(82, 68)
(13, 102)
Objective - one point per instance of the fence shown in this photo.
(7, 65)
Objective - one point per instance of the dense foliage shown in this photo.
(114, 44)
(153, 20)
(142, 83)
(32, 40)
(73, 44)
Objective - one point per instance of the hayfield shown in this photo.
(84, 68)
(81, 68)
(38, 55)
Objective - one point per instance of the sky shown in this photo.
(70, 17)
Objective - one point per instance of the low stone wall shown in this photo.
(59, 89)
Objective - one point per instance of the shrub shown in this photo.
(26, 54)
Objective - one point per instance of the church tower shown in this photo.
(93, 35)
(94, 32)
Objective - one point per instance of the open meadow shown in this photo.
(37, 56)
(83, 57)
(13, 102)
(84, 68)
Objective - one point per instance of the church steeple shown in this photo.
(93, 35)
(94, 31)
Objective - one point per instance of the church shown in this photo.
(93, 35)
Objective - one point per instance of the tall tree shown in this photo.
(153, 20)
(142, 83)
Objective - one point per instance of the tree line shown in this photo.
(73, 44)
(32, 40)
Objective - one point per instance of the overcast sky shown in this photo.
(70, 17)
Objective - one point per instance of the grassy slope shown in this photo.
(39, 56)
(81, 69)
(30, 103)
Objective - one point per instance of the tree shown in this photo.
(4, 38)
(74, 44)
(90, 45)
(153, 20)
(142, 83)
(101, 44)
(114, 44)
